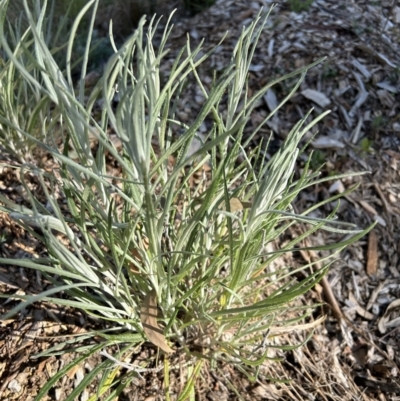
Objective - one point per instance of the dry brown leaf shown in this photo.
(137, 255)
(235, 204)
(392, 153)
(304, 326)
(360, 352)
(148, 317)
(72, 372)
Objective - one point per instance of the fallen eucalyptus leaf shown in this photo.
(148, 317)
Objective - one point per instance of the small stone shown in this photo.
(14, 386)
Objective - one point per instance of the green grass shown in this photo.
(329, 72)
(378, 123)
(298, 6)
(146, 242)
(366, 146)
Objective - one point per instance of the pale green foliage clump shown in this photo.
(148, 231)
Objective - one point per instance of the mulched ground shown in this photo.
(355, 353)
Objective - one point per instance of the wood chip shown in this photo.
(372, 256)
(362, 95)
(271, 100)
(385, 203)
(396, 15)
(386, 320)
(369, 208)
(359, 309)
(324, 142)
(375, 294)
(317, 97)
(362, 69)
(386, 98)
